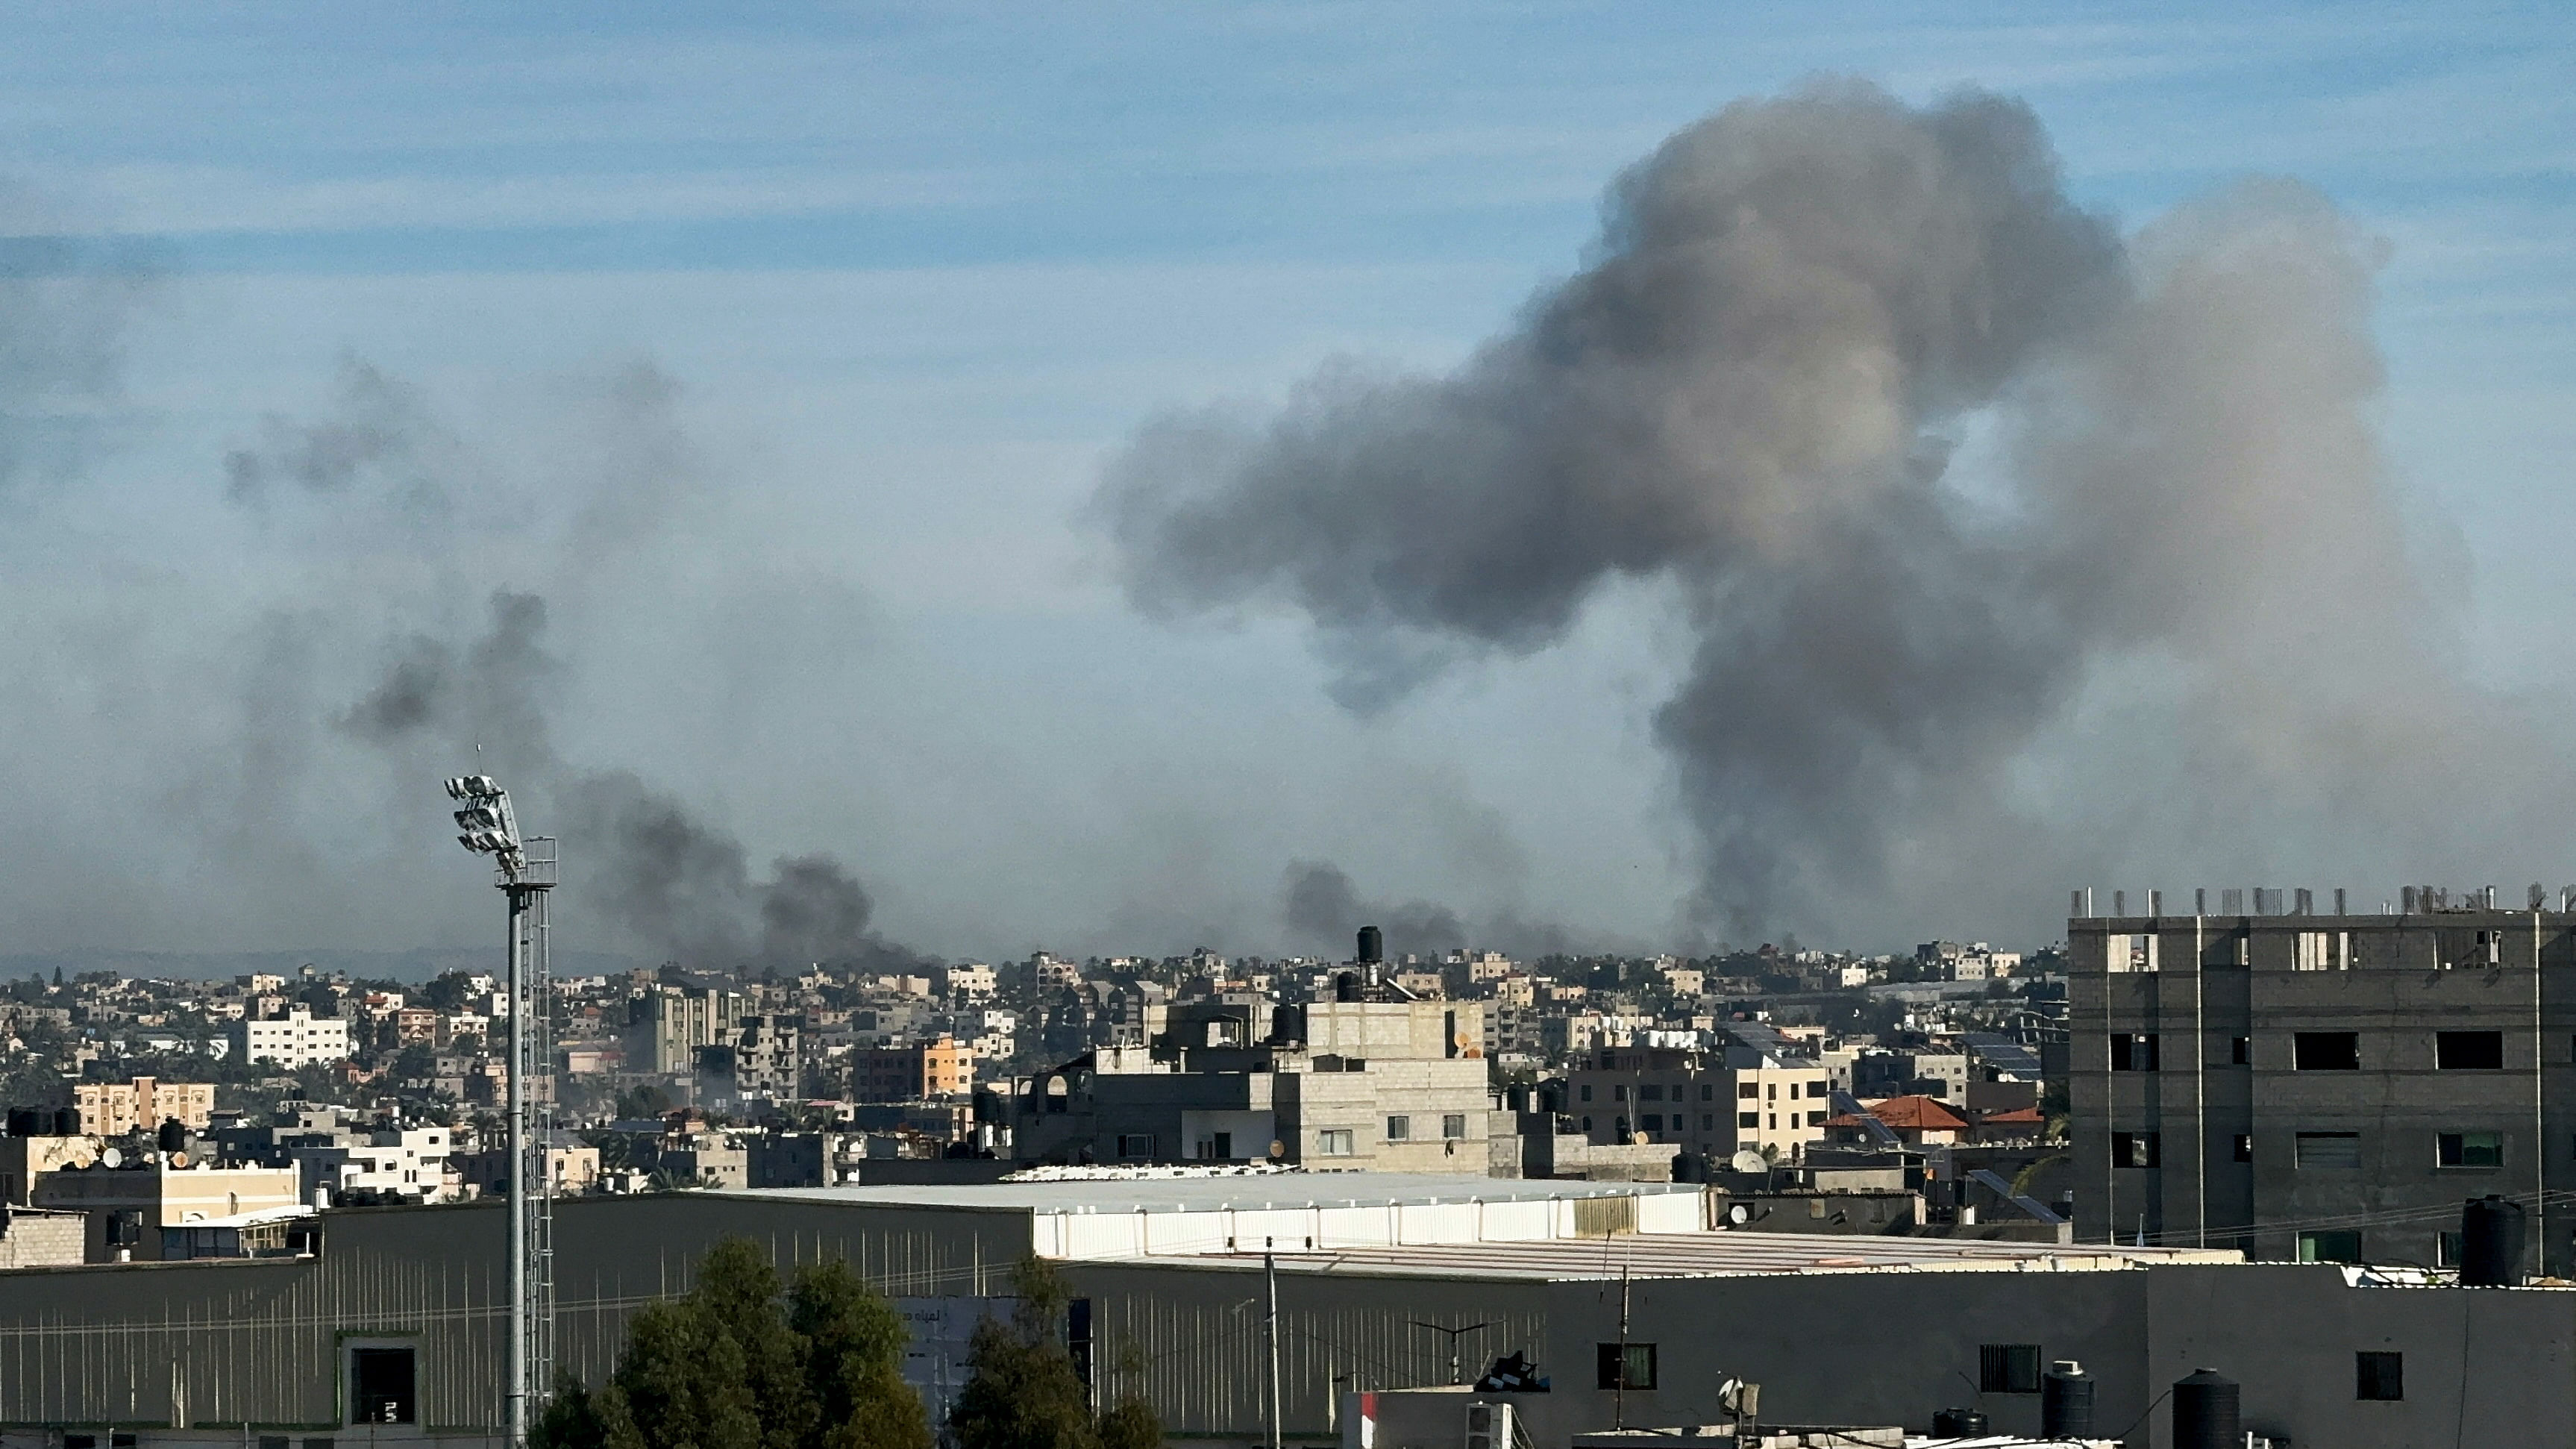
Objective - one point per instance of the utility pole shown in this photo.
(1270, 1276)
(1456, 1372)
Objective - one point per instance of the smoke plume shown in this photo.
(1932, 460)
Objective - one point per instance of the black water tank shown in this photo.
(2490, 1242)
(67, 1121)
(2066, 1401)
(173, 1136)
(1372, 944)
(1346, 986)
(22, 1122)
(2204, 1412)
(1957, 1424)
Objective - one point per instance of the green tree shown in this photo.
(854, 1344)
(1024, 1393)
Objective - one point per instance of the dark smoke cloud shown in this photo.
(1323, 910)
(636, 856)
(1755, 393)
(376, 425)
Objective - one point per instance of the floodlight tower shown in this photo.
(525, 872)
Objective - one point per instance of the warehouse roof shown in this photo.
(1249, 1192)
(1721, 1254)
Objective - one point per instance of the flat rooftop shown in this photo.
(1248, 1193)
(1716, 1255)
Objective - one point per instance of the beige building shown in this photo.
(941, 1067)
(130, 1208)
(1698, 1101)
(112, 1109)
(686, 1018)
(24, 1159)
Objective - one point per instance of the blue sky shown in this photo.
(917, 269)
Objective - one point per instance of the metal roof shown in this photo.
(1212, 1194)
(1713, 1255)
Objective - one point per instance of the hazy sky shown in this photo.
(781, 350)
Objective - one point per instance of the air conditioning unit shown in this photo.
(1489, 1426)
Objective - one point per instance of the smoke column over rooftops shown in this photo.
(1803, 318)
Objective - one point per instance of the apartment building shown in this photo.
(2323, 1085)
(296, 1039)
(112, 1109)
(939, 1067)
(677, 1020)
(1718, 1102)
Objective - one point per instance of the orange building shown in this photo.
(112, 1109)
(940, 1068)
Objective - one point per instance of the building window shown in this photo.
(2323, 951)
(1816, 1119)
(1747, 1091)
(2335, 1247)
(1626, 1366)
(1655, 1121)
(2332, 1151)
(1587, 1124)
(1135, 1144)
(1775, 1092)
(2326, 1051)
(1399, 1129)
(2129, 953)
(1708, 1121)
(380, 1386)
(1618, 1094)
(2244, 1147)
(2240, 1051)
(1454, 1126)
(1587, 1091)
(1749, 1119)
(2135, 1149)
(2133, 1052)
(2008, 1368)
(1333, 1142)
(2468, 1051)
(2468, 1149)
(1707, 1093)
(2379, 1376)
(1651, 1092)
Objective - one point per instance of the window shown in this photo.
(1333, 1142)
(2379, 1376)
(1747, 1091)
(1135, 1144)
(1707, 1093)
(2326, 1051)
(1619, 1094)
(2244, 1147)
(2468, 1051)
(2129, 953)
(1651, 1092)
(1398, 1129)
(2008, 1368)
(1775, 1120)
(2468, 1149)
(380, 1386)
(2135, 1149)
(1587, 1124)
(1815, 1119)
(2342, 1247)
(2133, 1052)
(2333, 1151)
(1775, 1092)
(1655, 1121)
(2446, 1249)
(2240, 1051)
(1626, 1366)
(2323, 951)
(1587, 1091)
(1707, 1122)
(1453, 1125)
(1748, 1119)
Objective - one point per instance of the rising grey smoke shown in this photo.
(1932, 460)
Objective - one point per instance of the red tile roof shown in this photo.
(1920, 1114)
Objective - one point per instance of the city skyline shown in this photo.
(726, 465)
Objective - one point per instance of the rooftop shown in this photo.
(1721, 1254)
(1215, 1194)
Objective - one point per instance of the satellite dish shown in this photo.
(178, 1159)
(1749, 1161)
(1738, 1214)
(111, 1158)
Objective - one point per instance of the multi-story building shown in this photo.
(973, 980)
(939, 1067)
(136, 1209)
(296, 1039)
(112, 1109)
(677, 1020)
(1347, 1084)
(1717, 1103)
(2322, 1085)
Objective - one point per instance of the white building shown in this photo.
(409, 1162)
(298, 1039)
